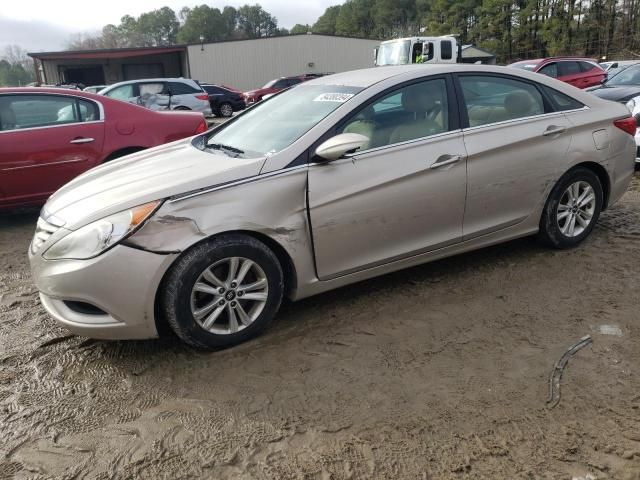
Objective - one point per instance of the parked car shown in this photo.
(332, 182)
(579, 72)
(223, 101)
(614, 67)
(624, 88)
(48, 136)
(275, 86)
(94, 88)
(162, 94)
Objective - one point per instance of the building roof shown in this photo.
(471, 51)
(107, 53)
(138, 51)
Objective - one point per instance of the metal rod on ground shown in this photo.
(556, 373)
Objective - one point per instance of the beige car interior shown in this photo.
(517, 104)
(427, 114)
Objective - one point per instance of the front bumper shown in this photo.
(119, 286)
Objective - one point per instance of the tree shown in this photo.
(16, 67)
(158, 27)
(326, 24)
(203, 21)
(299, 28)
(254, 22)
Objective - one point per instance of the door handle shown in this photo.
(446, 160)
(553, 130)
(82, 140)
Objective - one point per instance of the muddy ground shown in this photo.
(438, 372)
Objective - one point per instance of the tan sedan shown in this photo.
(337, 180)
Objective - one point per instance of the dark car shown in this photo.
(224, 101)
(622, 87)
(579, 72)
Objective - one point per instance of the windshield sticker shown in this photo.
(333, 97)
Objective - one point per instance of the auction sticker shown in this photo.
(333, 97)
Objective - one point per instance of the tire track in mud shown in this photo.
(436, 372)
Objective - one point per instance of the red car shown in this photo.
(48, 136)
(274, 86)
(579, 72)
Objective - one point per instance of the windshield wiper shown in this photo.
(228, 148)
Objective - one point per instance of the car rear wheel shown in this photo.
(223, 292)
(572, 209)
(225, 110)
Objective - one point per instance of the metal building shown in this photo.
(243, 64)
(248, 64)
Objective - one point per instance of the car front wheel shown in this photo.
(572, 209)
(223, 292)
(225, 110)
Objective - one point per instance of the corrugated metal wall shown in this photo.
(249, 64)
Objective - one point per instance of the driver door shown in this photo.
(403, 195)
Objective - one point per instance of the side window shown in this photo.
(568, 68)
(179, 88)
(498, 99)
(408, 113)
(282, 83)
(560, 101)
(28, 111)
(124, 92)
(157, 88)
(586, 66)
(88, 111)
(446, 50)
(293, 81)
(550, 70)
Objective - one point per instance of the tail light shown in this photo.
(627, 125)
(204, 96)
(203, 127)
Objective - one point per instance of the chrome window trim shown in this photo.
(435, 136)
(56, 94)
(530, 117)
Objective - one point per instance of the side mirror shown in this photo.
(338, 146)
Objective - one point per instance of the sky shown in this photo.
(45, 25)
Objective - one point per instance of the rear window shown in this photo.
(586, 66)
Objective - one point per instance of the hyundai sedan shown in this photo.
(340, 179)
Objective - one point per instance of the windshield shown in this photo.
(275, 124)
(628, 76)
(394, 53)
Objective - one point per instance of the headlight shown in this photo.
(93, 239)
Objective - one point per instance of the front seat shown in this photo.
(364, 125)
(7, 118)
(422, 104)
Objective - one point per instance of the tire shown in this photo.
(224, 110)
(183, 304)
(555, 225)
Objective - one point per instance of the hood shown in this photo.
(153, 174)
(620, 93)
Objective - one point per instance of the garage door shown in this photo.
(135, 71)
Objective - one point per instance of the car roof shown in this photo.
(54, 90)
(164, 79)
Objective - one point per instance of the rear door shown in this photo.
(569, 71)
(45, 141)
(515, 146)
(404, 194)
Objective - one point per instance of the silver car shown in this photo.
(162, 94)
(340, 179)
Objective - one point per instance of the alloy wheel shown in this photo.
(576, 209)
(229, 295)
